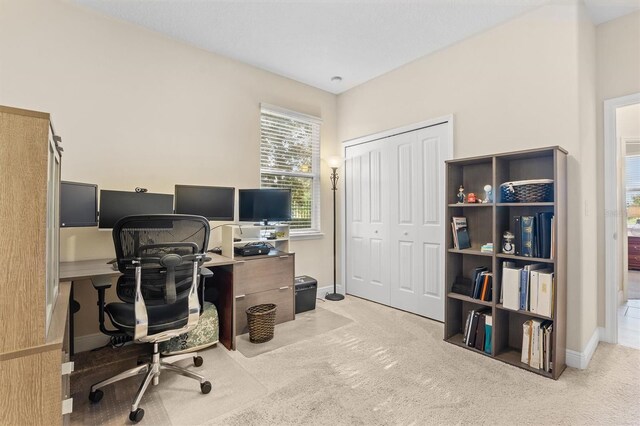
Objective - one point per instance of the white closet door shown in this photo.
(394, 226)
(367, 264)
(416, 221)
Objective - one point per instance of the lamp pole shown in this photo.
(335, 296)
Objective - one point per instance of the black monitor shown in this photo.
(212, 202)
(78, 204)
(115, 205)
(264, 205)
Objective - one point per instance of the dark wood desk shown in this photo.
(100, 269)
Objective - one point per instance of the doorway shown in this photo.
(394, 227)
(622, 220)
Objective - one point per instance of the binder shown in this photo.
(480, 333)
(534, 288)
(488, 325)
(544, 234)
(511, 288)
(528, 232)
(472, 329)
(534, 358)
(525, 284)
(545, 293)
(517, 234)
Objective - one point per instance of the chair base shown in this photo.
(152, 371)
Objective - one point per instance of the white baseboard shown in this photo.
(581, 359)
(322, 291)
(90, 341)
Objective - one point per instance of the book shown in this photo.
(517, 234)
(466, 327)
(471, 341)
(511, 288)
(505, 264)
(545, 293)
(480, 333)
(461, 234)
(544, 234)
(526, 342)
(488, 325)
(524, 284)
(462, 286)
(527, 224)
(534, 351)
(553, 238)
(547, 346)
(477, 281)
(534, 288)
(486, 293)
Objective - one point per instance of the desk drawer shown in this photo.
(252, 276)
(283, 298)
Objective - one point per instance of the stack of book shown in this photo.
(534, 235)
(536, 344)
(487, 248)
(460, 233)
(477, 330)
(529, 288)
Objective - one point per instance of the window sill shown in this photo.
(306, 235)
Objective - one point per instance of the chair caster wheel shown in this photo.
(197, 361)
(96, 396)
(136, 416)
(205, 387)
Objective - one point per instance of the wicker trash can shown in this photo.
(261, 320)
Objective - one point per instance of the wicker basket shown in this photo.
(261, 320)
(527, 191)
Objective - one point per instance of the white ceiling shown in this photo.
(313, 40)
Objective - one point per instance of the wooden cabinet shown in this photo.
(634, 253)
(34, 307)
(486, 224)
(264, 279)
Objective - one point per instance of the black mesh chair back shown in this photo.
(151, 237)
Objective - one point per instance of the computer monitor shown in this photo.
(115, 205)
(264, 205)
(78, 204)
(212, 202)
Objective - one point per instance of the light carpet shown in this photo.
(391, 367)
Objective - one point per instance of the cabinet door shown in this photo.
(282, 297)
(261, 274)
(53, 223)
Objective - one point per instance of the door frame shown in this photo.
(444, 120)
(612, 212)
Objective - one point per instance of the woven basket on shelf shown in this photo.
(527, 191)
(261, 320)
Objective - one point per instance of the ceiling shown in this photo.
(312, 41)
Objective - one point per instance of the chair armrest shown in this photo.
(205, 273)
(101, 282)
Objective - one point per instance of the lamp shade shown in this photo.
(334, 161)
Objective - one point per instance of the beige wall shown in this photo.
(138, 109)
(516, 86)
(618, 72)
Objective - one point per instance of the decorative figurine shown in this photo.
(489, 194)
(471, 198)
(461, 196)
(507, 243)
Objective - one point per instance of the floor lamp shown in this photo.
(333, 163)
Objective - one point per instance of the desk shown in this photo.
(98, 268)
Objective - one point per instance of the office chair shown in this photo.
(160, 257)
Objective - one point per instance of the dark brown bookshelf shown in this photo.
(486, 223)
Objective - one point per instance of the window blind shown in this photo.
(632, 171)
(290, 158)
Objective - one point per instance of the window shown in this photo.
(290, 158)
